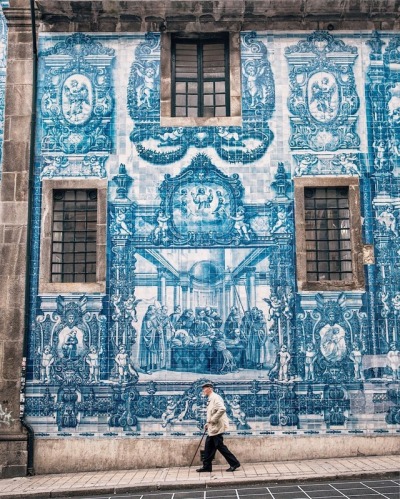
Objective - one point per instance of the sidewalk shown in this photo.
(119, 482)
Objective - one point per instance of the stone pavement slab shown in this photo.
(136, 481)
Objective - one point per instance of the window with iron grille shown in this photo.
(74, 235)
(200, 77)
(328, 239)
(329, 246)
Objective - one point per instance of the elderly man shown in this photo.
(217, 424)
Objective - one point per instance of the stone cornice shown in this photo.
(232, 15)
(18, 17)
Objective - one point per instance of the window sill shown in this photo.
(72, 287)
(330, 286)
(201, 122)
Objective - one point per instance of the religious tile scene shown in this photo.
(216, 206)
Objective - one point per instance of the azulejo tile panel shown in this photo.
(166, 145)
(201, 277)
(323, 101)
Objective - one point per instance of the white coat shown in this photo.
(217, 420)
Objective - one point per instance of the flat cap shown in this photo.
(207, 385)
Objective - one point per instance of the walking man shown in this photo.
(217, 424)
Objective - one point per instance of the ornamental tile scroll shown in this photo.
(328, 164)
(77, 101)
(258, 88)
(122, 311)
(387, 149)
(77, 165)
(333, 337)
(323, 100)
(166, 145)
(201, 206)
(204, 207)
(69, 340)
(383, 93)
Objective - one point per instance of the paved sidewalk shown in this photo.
(119, 482)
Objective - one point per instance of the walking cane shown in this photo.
(198, 447)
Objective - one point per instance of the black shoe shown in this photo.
(204, 470)
(233, 468)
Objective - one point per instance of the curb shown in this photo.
(194, 484)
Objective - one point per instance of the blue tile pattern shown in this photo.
(76, 107)
(201, 277)
(323, 99)
(166, 145)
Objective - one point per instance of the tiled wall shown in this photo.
(201, 280)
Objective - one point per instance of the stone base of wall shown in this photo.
(60, 455)
(13, 455)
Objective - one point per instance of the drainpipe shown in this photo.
(29, 429)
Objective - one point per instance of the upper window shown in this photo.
(73, 256)
(200, 77)
(329, 249)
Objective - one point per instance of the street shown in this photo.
(369, 489)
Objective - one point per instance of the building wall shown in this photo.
(164, 250)
(15, 120)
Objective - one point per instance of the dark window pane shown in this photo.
(220, 87)
(208, 112)
(220, 99)
(180, 111)
(323, 266)
(68, 258)
(311, 245)
(208, 100)
(192, 100)
(220, 111)
(334, 266)
(333, 245)
(311, 256)
(181, 100)
(311, 266)
(322, 243)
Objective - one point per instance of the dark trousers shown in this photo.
(214, 443)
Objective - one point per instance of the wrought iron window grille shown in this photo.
(328, 236)
(74, 236)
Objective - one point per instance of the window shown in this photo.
(74, 236)
(328, 241)
(200, 77)
(328, 234)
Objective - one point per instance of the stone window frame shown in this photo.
(353, 184)
(235, 118)
(45, 284)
